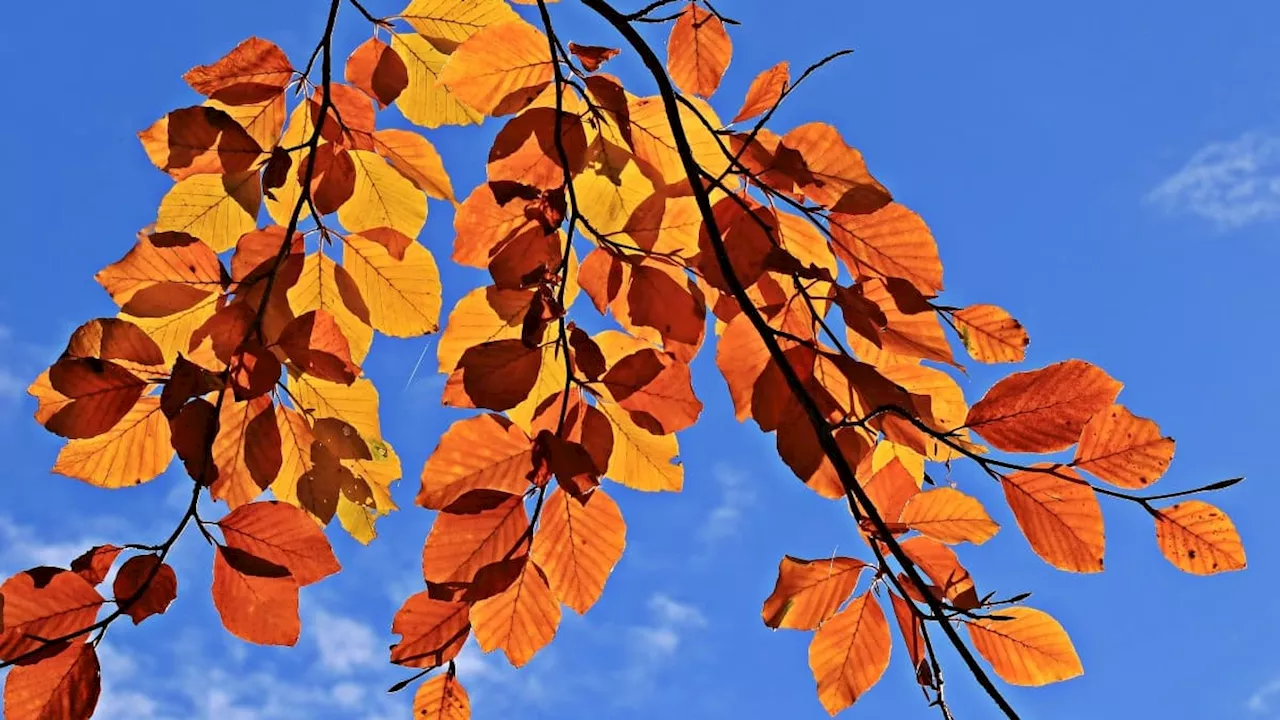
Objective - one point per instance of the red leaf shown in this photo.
(145, 586)
(284, 535)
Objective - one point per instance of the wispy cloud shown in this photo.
(735, 496)
(655, 644)
(344, 644)
(1230, 183)
(1261, 700)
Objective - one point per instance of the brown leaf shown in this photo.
(315, 342)
(99, 393)
(377, 71)
(145, 586)
(197, 140)
(656, 390)
(495, 375)
(246, 450)
(592, 56)
(526, 149)
(461, 543)
(94, 564)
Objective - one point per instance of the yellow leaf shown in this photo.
(415, 158)
(611, 187)
(991, 335)
(1031, 649)
(1199, 538)
(356, 404)
(217, 209)
(135, 450)
(550, 380)
(640, 459)
(446, 23)
(500, 69)
(424, 101)
(482, 315)
(403, 296)
(850, 652)
(318, 288)
(949, 516)
(284, 199)
(172, 333)
(578, 544)
(382, 198)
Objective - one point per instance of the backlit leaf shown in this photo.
(257, 600)
(441, 698)
(1042, 410)
(416, 158)
(217, 209)
(578, 544)
(990, 334)
(145, 586)
(520, 620)
(808, 592)
(382, 198)
(949, 516)
(459, 545)
(486, 452)
(765, 91)
(44, 602)
(1123, 449)
(136, 449)
(850, 652)
(281, 534)
(500, 69)
(1031, 649)
(698, 51)
(446, 23)
(252, 72)
(402, 296)
(63, 687)
(1199, 538)
(432, 631)
(640, 459)
(1060, 518)
(424, 101)
(378, 71)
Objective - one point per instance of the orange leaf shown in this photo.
(577, 545)
(459, 545)
(655, 389)
(1060, 518)
(990, 334)
(949, 516)
(257, 600)
(44, 602)
(941, 565)
(283, 535)
(432, 631)
(592, 56)
(698, 51)
(1042, 410)
(253, 72)
(416, 159)
(808, 592)
(63, 687)
(145, 586)
(1123, 449)
(526, 149)
(315, 342)
(765, 91)
(133, 451)
(521, 619)
(487, 452)
(95, 563)
(850, 653)
(377, 71)
(909, 623)
(161, 259)
(441, 698)
(99, 394)
(890, 242)
(1199, 538)
(246, 450)
(835, 176)
(500, 69)
(1031, 649)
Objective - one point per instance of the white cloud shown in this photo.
(735, 497)
(20, 548)
(655, 645)
(1231, 183)
(670, 613)
(344, 644)
(1260, 701)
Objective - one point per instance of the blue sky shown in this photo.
(1110, 174)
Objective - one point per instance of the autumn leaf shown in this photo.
(44, 602)
(377, 71)
(145, 586)
(941, 565)
(257, 600)
(500, 69)
(402, 296)
(246, 450)
(1060, 518)
(252, 72)
(136, 449)
(808, 592)
(1198, 538)
(315, 343)
(1029, 649)
(486, 452)
(414, 157)
(949, 516)
(95, 563)
(461, 544)
(850, 653)
(426, 102)
(65, 686)
(1123, 449)
(592, 57)
(640, 459)
(447, 23)
(577, 546)
(1042, 410)
(990, 334)
(217, 209)
(698, 51)
(441, 698)
(765, 91)
(283, 535)
(520, 620)
(382, 197)
(432, 631)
